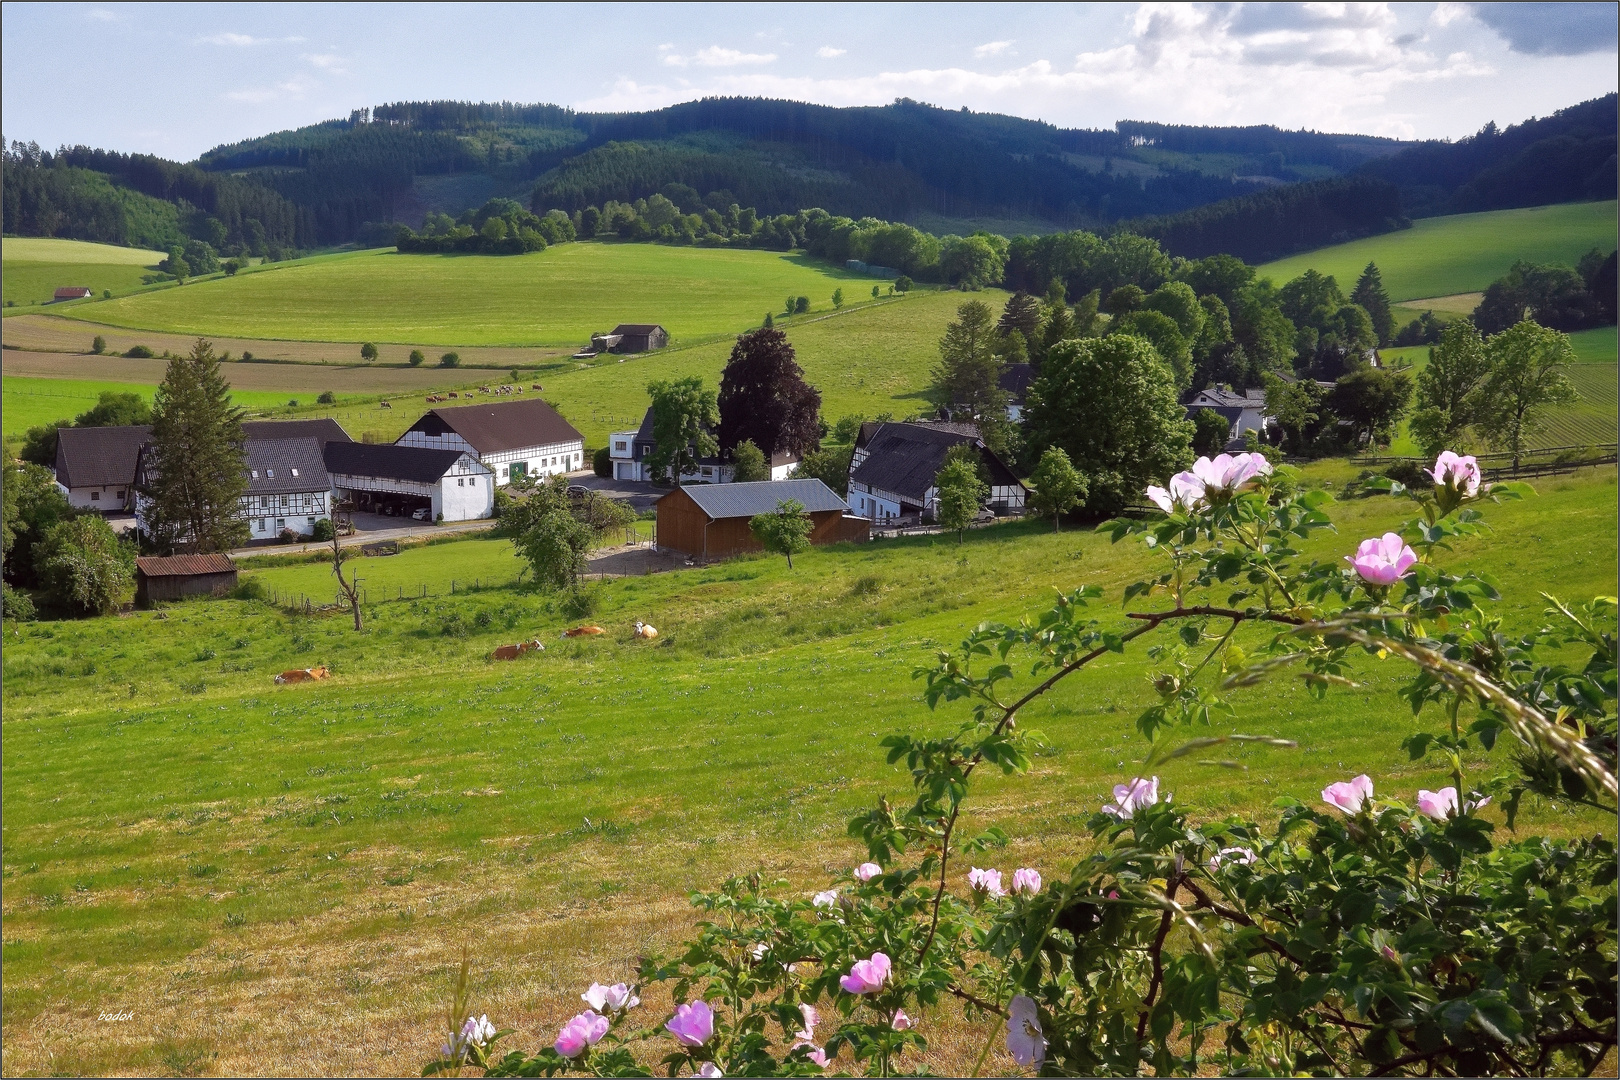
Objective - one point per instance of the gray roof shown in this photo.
(492, 427)
(98, 456)
(392, 462)
(1246, 399)
(322, 429)
(760, 497)
(905, 458)
(284, 466)
(635, 328)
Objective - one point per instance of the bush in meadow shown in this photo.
(1377, 928)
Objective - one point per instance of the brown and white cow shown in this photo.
(302, 675)
(512, 652)
(584, 631)
(644, 631)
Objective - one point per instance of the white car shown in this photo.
(422, 514)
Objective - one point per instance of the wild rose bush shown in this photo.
(1369, 931)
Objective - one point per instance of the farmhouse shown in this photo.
(712, 522)
(452, 485)
(73, 292)
(631, 338)
(322, 430)
(513, 438)
(95, 467)
(1245, 411)
(891, 473)
(182, 575)
(1014, 381)
(629, 451)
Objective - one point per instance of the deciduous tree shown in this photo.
(1058, 486)
(85, 567)
(748, 463)
(1527, 378)
(784, 530)
(684, 414)
(959, 492)
(1447, 388)
(764, 399)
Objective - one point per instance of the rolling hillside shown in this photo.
(32, 268)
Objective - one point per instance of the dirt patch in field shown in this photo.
(50, 333)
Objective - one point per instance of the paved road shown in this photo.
(639, 496)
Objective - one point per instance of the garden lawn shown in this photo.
(240, 864)
(35, 267)
(1460, 253)
(556, 297)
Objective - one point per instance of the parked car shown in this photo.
(422, 513)
(984, 517)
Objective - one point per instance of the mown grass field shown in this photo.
(28, 402)
(285, 877)
(35, 267)
(557, 297)
(1442, 256)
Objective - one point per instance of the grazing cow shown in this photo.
(644, 631)
(512, 652)
(536, 386)
(483, 389)
(384, 405)
(302, 675)
(452, 393)
(584, 631)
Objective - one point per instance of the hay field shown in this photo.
(34, 267)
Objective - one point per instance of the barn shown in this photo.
(631, 338)
(179, 576)
(73, 292)
(709, 521)
(451, 485)
(513, 438)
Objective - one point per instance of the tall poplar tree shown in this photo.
(198, 468)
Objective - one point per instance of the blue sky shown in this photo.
(177, 79)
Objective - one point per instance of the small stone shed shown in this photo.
(177, 576)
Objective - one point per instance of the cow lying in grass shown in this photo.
(309, 674)
(584, 631)
(512, 652)
(644, 631)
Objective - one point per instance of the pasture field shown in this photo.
(28, 402)
(557, 297)
(286, 877)
(1460, 253)
(34, 267)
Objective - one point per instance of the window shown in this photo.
(95, 496)
(281, 523)
(284, 500)
(120, 493)
(311, 520)
(270, 473)
(295, 472)
(261, 523)
(460, 482)
(255, 473)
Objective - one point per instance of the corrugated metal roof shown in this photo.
(388, 461)
(507, 425)
(760, 497)
(98, 456)
(285, 466)
(184, 565)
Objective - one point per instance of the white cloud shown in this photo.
(827, 52)
(716, 56)
(1448, 13)
(991, 48)
(242, 41)
(294, 88)
(103, 15)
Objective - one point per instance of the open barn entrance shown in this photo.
(391, 504)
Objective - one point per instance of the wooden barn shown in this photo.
(180, 576)
(710, 521)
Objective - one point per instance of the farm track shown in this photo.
(55, 334)
(291, 378)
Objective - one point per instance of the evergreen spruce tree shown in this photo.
(199, 465)
(1369, 293)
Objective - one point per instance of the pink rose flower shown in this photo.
(610, 999)
(1186, 492)
(867, 871)
(692, 1024)
(584, 1030)
(825, 899)
(901, 1021)
(811, 1018)
(1131, 797)
(1237, 856)
(1349, 796)
(1025, 1040)
(1382, 560)
(1458, 472)
(1390, 954)
(867, 976)
(1442, 804)
(709, 1070)
(1026, 881)
(1227, 474)
(986, 882)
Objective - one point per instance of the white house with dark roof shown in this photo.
(452, 485)
(629, 451)
(513, 438)
(288, 488)
(1244, 410)
(95, 466)
(892, 471)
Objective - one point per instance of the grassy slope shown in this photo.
(34, 267)
(1463, 252)
(556, 297)
(40, 401)
(177, 829)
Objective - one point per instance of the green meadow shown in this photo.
(35, 267)
(28, 402)
(556, 297)
(1461, 253)
(188, 841)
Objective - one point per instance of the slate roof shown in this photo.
(507, 425)
(390, 462)
(905, 458)
(1247, 399)
(184, 565)
(285, 466)
(760, 497)
(637, 328)
(1014, 381)
(98, 456)
(323, 430)
(957, 427)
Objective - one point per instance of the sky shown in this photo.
(178, 79)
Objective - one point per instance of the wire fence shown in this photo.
(304, 603)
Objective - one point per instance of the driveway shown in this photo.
(370, 528)
(640, 496)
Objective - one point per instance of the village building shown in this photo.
(1244, 411)
(711, 522)
(411, 481)
(1014, 381)
(73, 292)
(630, 450)
(892, 471)
(512, 438)
(179, 576)
(95, 466)
(631, 338)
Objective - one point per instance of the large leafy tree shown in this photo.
(1446, 400)
(960, 491)
(113, 409)
(1554, 296)
(199, 463)
(34, 505)
(1165, 336)
(684, 414)
(85, 567)
(1372, 399)
(1110, 404)
(1370, 295)
(1528, 365)
(764, 399)
(967, 378)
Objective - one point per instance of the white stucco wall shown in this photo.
(113, 497)
(464, 497)
(547, 460)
